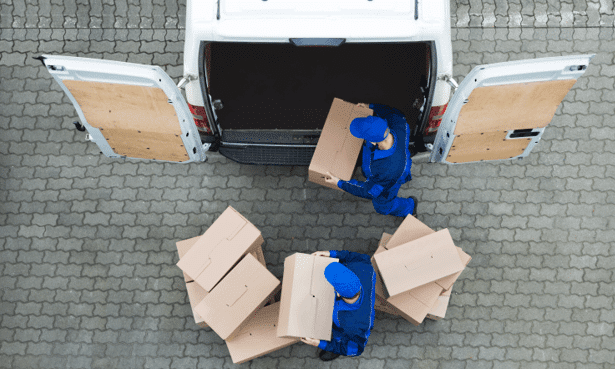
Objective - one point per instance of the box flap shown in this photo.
(384, 240)
(418, 262)
(185, 245)
(447, 282)
(438, 310)
(447, 292)
(414, 305)
(258, 336)
(409, 230)
(182, 248)
(229, 238)
(196, 294)
(237, 296)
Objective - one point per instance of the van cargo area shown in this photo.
(282, 86)
(274, 91)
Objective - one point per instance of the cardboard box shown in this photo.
(258, 336)
(215, 253)
(196, 293)
(418, 262)
(306, 304)
(246, 288)
(381, 302)
(438, 311)
(409, 230)
(413, 305)
(412, 229)
(337, 150)
(447, 282)
(385, 307)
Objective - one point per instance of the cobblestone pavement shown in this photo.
(88, 243)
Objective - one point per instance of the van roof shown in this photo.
(317, 8)
(353, 20)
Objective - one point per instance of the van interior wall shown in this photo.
(282, 86)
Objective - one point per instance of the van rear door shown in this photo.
(500, 111)
(129, 110)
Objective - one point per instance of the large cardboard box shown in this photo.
(246, 288)
(196, 293)
(381, 302)
(418, 262)
(306, 303)
(412, 229)
(438, 311)
(337, 150)
(215, 253)
(259, 336)
(413, 305)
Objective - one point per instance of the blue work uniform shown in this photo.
(352, 323)
(385, 170)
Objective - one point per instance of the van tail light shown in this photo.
(435, 118)
(200, 118)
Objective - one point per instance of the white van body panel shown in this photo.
(278, 20)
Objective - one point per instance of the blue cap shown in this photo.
(370, 128)
(343, 280)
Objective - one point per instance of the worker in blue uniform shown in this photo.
(354, 281)
(385, 160)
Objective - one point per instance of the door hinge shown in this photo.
(450, 80)
(187, 78)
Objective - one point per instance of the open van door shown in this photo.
(129, 110)
(500, 111)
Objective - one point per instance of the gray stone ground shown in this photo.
(87, 248)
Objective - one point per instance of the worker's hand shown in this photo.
(310, 341)
(363, 105)
(330, 178)
(322, 253)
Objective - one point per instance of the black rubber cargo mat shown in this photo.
(282, 86)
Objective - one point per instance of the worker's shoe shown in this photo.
(327, 355)
(414, 210)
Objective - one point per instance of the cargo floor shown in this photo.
(281, 86)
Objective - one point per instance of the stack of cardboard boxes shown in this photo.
(229, 285)
(416, 268)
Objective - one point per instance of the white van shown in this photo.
(260, 77)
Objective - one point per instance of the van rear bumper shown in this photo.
(268, 154)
